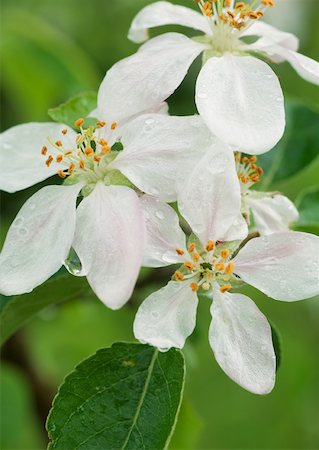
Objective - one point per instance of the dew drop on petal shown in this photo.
(73, 264)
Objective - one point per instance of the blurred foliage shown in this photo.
(52, 50)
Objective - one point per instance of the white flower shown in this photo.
(283, 265)
(106, 230)
(272, 212)
(237, 94)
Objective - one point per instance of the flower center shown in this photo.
(206, 267)
(88, 157)
(248, 171)
(227, 19)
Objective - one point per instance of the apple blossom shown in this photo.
(283, 266)
(237, 94)
(109, 183)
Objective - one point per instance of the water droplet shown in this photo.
(159, 214)
(73, 264)
(23, 232)
(18, 222)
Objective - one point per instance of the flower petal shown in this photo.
(109, 241)
(203, 201)
(142, 81)
(165, 13)
(167, 317)
(21, 161)
(287, 40)
(158, 147)
(163, 234)
(306, 67)
(283, 265)
(241, 100)
(39, 239)
(240, 337)
(272, 214)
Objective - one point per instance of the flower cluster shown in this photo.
(111, 215)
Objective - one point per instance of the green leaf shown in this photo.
(124, 397)
(296, 150)
(79, 106)
(17, 310)
(308, 206)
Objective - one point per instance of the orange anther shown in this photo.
(81, 164)
(220, 267)
(196, 256)
(100, 124)
(179, 251)
(114, 126)
(106, 149)
(58, 143)
(44, 150)
(210, 246)
(191, 247)
(188, 265)
(61, 174)
(79, 122)
(225, 253)
(88, 151)
(64, 131)
(49, 161)
(194, 287)
(225, 288)
(230, 268)
(59, 158)
(179, 276)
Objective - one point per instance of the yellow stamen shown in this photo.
(106, 149)
(224, 253)
(49, 161)
(230, 268)
(179, 251)
(44, 150)
(225, 288)
(189, 265)
(210, 246)
(114, 126)
(100, 124)
(220, 266)
(191, 247)
(196, 256)
(194, 287)
(81, 164)
(59, 158)
(179, 276)
(89, 151)
(58, 144)
(61, 174)
(79, 122)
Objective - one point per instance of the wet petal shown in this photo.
(272, 214)
(165, 240)
(202, 199)
(167, 317)
(157, 148)
(241, 101)
(285, 266)
(39, 239)
(142, 81)
(109, 241)
(21, 161)
(165, 13)
(240, 337)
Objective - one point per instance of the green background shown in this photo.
(51, 50)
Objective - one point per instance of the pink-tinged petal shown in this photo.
(285, 266)
(210, 198)
(157, 148)
(306, 67)
(109, 241)
(144, 80)
(241, 101)
(240, 337)
(264, 30)
(165, 13)
(165, 240)
(167, 317)
(21, 161)
(39, 239)
(272, 214)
